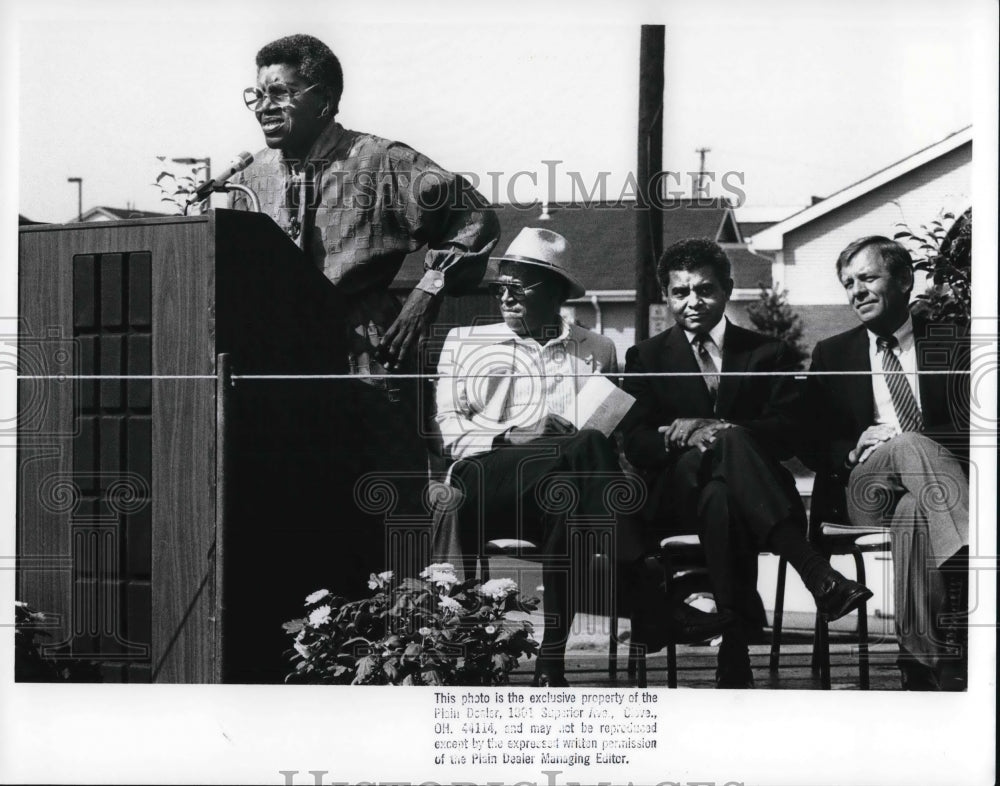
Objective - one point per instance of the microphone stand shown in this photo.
(226, 187)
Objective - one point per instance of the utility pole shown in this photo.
(79, 195)
(699, 192)
(649, 159)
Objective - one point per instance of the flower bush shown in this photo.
(30, 662)
(435, 630)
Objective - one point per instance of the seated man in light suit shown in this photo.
(898, 441)
(505, 398)
(712, 446)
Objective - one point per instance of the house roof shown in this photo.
(103, 212)
(772, 239)
(750, 228)
(750, 270)
(603, 236)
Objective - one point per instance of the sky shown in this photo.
(801, 99)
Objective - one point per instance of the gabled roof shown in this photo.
(772, 239)
(750, 270)
(603, 235)
(750, 228)
(104, 213)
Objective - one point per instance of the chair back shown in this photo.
(827, 505)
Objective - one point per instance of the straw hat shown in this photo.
(546, 249)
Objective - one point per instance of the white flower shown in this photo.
(379, 580)
(437, 567)
(498, 589)
(424, 631)
(442, 578)
(319, 616)
(317, 596)
(450, 604)
(490, 630)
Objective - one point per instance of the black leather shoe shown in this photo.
(735, 682)
(680, 624)
(839, 596)
(549, 679)
(659, 619)
(733, 671)
(917, 676)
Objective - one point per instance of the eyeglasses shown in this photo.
(279, 95)
(516, 291)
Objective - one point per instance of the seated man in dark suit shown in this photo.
(899, 445)
(505, 398)
(712, 444)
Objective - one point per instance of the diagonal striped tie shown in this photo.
(710, 372)
(903, 400)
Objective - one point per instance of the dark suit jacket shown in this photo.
(837, 409)
(759, 404)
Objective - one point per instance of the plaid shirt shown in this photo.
(359, 204)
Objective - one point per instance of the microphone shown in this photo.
(238, 164)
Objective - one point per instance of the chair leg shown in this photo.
(671, 665)
(637, 664)
(613, 643)
(779, 612)
(863, 670)
(821, 651)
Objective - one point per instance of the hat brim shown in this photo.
(576, 289)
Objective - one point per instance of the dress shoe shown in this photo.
(733, 671)
(917, 676)
(549, 679)
(678, 624)
(658, 619)
(735, 682)
(838, 596)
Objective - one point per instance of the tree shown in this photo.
(946, 257)
(772, 316)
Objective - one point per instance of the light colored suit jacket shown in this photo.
(486, 385)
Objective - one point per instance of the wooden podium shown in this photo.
(169, 518)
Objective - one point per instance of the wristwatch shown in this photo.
(432, 282)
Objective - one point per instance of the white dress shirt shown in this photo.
(491, 380)
(906, 352)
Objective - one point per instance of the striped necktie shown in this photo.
(903, 400)
(710, 372)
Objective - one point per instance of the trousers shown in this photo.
(917, 489)
(543, 492)
(731, 496)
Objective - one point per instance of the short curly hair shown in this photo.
(691, 254)
(313, 59)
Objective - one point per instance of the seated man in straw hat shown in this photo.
(506, 397)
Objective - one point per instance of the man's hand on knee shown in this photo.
(870, 439)
(704, 437)
(678, 434)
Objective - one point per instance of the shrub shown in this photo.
(435, 630)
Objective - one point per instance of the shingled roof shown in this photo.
(603, 238)
(105, 213)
